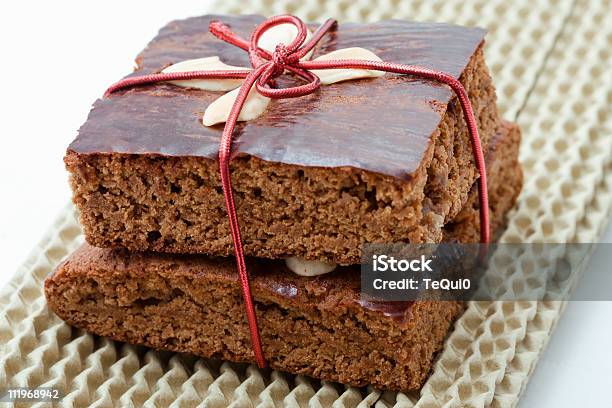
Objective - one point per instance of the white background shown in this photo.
(56, 59)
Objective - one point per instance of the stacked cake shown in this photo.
(378, 160)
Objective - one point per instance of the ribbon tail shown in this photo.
(470, 119)
(148, 79)
(226, 181)
(316, 37)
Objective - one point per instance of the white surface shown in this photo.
(57, 58)
(60, 58)
(576, 368)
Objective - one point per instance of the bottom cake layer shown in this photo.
(314, 326)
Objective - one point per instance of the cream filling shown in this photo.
(304, 267)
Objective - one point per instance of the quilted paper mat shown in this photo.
(549, 60)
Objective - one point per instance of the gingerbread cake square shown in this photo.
(314, 326)
(375, 160)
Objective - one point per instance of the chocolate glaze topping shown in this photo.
(381, 125)
(400, 311)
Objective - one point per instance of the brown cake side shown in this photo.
(505, 179)
(150, 200)
(313, 326)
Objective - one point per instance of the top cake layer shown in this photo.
(382, 125)
(365, 161)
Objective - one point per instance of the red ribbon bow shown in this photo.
(268, 66)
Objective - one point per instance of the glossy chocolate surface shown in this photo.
(400, 311)
(380, 125)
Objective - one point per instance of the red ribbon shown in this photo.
(268, 66)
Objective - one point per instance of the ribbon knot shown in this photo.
(266, 67)
(286, 57)
(279, 60)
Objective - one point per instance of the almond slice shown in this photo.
(331, 76)
(218, 111)
(205, 64)
(282, 33)
(305, 267)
